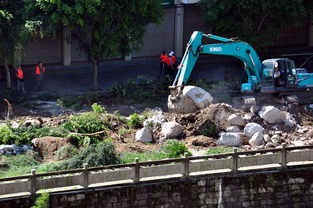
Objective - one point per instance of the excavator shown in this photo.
(260, 74)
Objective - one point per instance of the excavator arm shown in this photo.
(227, 47)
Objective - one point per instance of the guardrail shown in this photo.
(90, 177)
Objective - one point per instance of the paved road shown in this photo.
(77, 78)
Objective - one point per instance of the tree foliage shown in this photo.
(11, 30)
(104, 28)
(255, 21)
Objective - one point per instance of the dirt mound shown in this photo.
(200, 141)
(47, 146)
(208, 121)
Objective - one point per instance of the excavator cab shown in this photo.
(287, 75)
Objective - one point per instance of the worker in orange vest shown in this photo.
(171, 62)
(163, 59)
(20, 78)
(40, 70)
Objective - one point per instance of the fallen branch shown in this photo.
(88, 134)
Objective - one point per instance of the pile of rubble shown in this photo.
(262, 127)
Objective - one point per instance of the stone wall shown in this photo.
(289, 188)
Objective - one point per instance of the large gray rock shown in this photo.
(233, 129)
(235, 120)
(192, 99)
(231, 139)
(144, 135)
(14, 149)
(171, 129)
(272, 115)
(257, 139)
(252, 128)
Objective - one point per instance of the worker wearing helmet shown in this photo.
(171, 61)
(276, 75)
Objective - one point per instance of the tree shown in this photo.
(11, 30)
(104, 29)
(255, 21)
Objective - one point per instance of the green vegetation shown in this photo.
(42, 201)
(129, 157)
(24, 135)
(66, 152)
(256, 22)
(174, 149)
(219, 150)
(135, 121)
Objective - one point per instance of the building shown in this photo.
(181, 18)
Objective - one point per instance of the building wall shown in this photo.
(46, 50)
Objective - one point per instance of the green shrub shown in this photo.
(95, 155)
(66, 152)
(42, 201)
(174, 149)
(98, 108)
(28, 159)
(135, 121)
(87, 123)
(6, 135)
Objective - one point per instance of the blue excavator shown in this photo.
(276, 76)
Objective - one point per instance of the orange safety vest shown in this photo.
(38, 71)
(20, 74)
(163, 58)
(171, 61)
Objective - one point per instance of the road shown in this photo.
(77, 79)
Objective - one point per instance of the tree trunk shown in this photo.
(7, 75)
(95, 63)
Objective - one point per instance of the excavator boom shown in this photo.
(227, 47)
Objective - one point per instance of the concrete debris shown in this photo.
(252, 128)
(171, 130)
(233, 129)
(257, 139)
(272, 115)
(235, 120)
(155, 119)
(231, 139)
(144, 135)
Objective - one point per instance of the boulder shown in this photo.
(252, 128)
(272, 115)
(192, 99)
(235, 120)
(231, 139)
(144, 135)
(171, 129)
(233, 129)
(257, 139)
(47, 146)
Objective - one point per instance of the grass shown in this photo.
(129, 157)
(219, 150)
